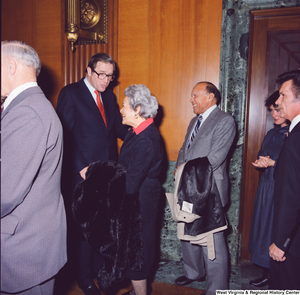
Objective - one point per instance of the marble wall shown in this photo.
(233, 85)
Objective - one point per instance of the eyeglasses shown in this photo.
(102, 76)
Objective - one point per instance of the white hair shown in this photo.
(140, 95)
(23, 53)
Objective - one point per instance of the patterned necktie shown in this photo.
(199, 120)
(100, 107)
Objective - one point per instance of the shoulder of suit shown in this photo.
(77, 84)
(193, 120)
(34, 100)
(149, 134)
(297, 127)
(74, 87)
(294, 135)
(108, 92)
(220, 115)
(36, 95)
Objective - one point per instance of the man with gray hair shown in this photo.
(33, 221)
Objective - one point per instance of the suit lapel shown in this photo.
(90, 102)
(282, 151)
(296, 128)
(203, 127)
(208, 121)
(105, 100)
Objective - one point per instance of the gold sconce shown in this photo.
(86, 22)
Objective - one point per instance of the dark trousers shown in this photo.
(88, 264)
(285, 275)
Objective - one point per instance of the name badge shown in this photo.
(187, 207)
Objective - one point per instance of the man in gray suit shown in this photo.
(33, 221)
(210, 134)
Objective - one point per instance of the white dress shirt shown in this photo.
(16, 92)
(294, 122)
(92, 90)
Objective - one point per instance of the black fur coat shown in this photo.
(110, 220)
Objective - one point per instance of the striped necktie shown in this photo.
(197, 126)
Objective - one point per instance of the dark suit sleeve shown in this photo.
(120, 129)
(287, 190)
(66, 112)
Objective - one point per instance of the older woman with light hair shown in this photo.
(142, 155)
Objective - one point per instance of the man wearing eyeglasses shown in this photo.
(91, 121)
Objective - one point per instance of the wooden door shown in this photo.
(262, 22)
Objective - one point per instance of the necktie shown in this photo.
(195, 131)
(100, 107)
(2, 102)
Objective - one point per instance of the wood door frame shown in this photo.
(261, 22)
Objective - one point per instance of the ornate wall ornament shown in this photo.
(86, 22)
(72, 22)
(90, 14)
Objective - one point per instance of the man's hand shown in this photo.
(276, 253)
(83, 171)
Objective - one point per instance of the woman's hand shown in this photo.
(263, 162)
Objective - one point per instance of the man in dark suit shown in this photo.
(91, 122)
(212, 139)
(285, 249)
(33, 218)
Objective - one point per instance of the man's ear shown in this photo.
(89, 71)
(211, 96)
(12, 66)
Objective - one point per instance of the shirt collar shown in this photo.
(294, 122)
(16, 92)
(90, 87)
(143, 126)
(92, 90)
(207, 112)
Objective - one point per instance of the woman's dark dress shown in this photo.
(262, 218)
(142, 155)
